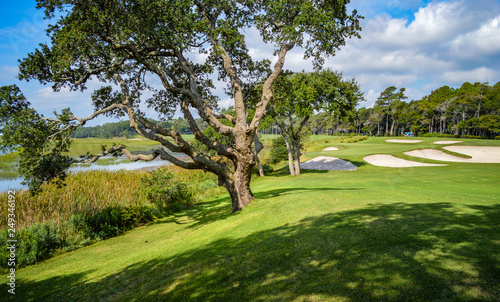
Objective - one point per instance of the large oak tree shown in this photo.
(182, 44)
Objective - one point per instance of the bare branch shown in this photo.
(228, 117)
(197, 100)
(82, 121)
(95, 71)
(236, 84)
(267, 93)
(94, 158)
(56, 123)
(220, 148)
(160, 53)
(163, 155)
(141, 157)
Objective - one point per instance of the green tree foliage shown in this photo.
(123, 128)
(108, 130)
(166, 192)
(299, 95)
(40, 141)
(471, 109)
(388, 103)
(138, 48)
(279, 150)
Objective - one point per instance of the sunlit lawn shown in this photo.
(374, 234)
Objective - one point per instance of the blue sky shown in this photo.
(420, 45)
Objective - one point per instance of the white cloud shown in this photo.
(446, 43)
(375, 83)
(482, 74)
(483, 41)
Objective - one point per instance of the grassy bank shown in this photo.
(93, 206)
(374, 234)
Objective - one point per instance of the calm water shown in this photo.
(15, 184)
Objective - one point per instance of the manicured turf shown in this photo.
(374, 234)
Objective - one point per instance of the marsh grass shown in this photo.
(92, 191)
(86, 192)
(8, 168)
(203, 184)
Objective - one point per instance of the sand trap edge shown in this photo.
(387, 160)
(447, 142)
(434, 154)
(330, 149)
(404, 141)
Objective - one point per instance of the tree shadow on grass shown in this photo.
(220, 208)
(280, 192)
(358, 163)
(58, 288)
(202, 213)
(397, 252)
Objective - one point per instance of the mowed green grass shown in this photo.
(374, 234)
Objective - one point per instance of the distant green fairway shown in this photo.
(374, 234)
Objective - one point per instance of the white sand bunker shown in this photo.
(404, 141)
(478, 154)
(328, 163)
(386, 160)
(447, 142)
(330, 149)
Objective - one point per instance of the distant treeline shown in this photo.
(123, 129)
(471, 110)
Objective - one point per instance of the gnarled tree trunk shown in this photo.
(238, 183)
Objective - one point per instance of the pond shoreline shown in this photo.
(15, 183)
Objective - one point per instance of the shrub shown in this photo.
(35, 243)
(352, 139)
(470, 136)
(497, 137)
(279, 151)
(166, 192)
(42, 240)
(111, 221)
(208, 184)
(267, 169)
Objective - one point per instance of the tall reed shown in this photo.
(92, 191)
(84, 192)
